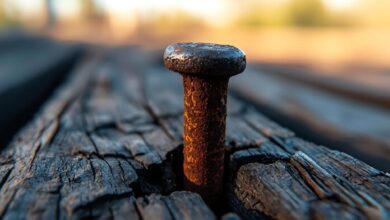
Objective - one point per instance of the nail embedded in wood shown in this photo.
(206, 69)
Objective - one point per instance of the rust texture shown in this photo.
(204, 135)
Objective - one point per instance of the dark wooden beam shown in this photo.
(30, 69)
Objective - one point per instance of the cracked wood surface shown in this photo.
(108, 145)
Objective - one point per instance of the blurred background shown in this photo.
(329, 34)
(331, 56)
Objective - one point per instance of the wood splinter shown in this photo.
(206, 69)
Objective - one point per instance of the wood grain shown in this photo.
(108, 145)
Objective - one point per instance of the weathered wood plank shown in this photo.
(76, 161)
(30, 69)
(180, 205)
(374, 90)
(350, 126)
(297, 179)
(105, 146)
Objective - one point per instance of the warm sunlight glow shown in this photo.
(68, 8)
(212, 11)
(341, 4)
(23, 7)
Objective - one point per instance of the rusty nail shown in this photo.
(206, 69)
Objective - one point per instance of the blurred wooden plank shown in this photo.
(340, 85)
(30, 68)
(347, 125)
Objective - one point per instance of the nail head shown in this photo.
(204, 59)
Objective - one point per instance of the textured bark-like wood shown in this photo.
(92, 152)
(295, 179)
(179, 205)
(107, 146)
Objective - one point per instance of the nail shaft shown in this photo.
(204, 135)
